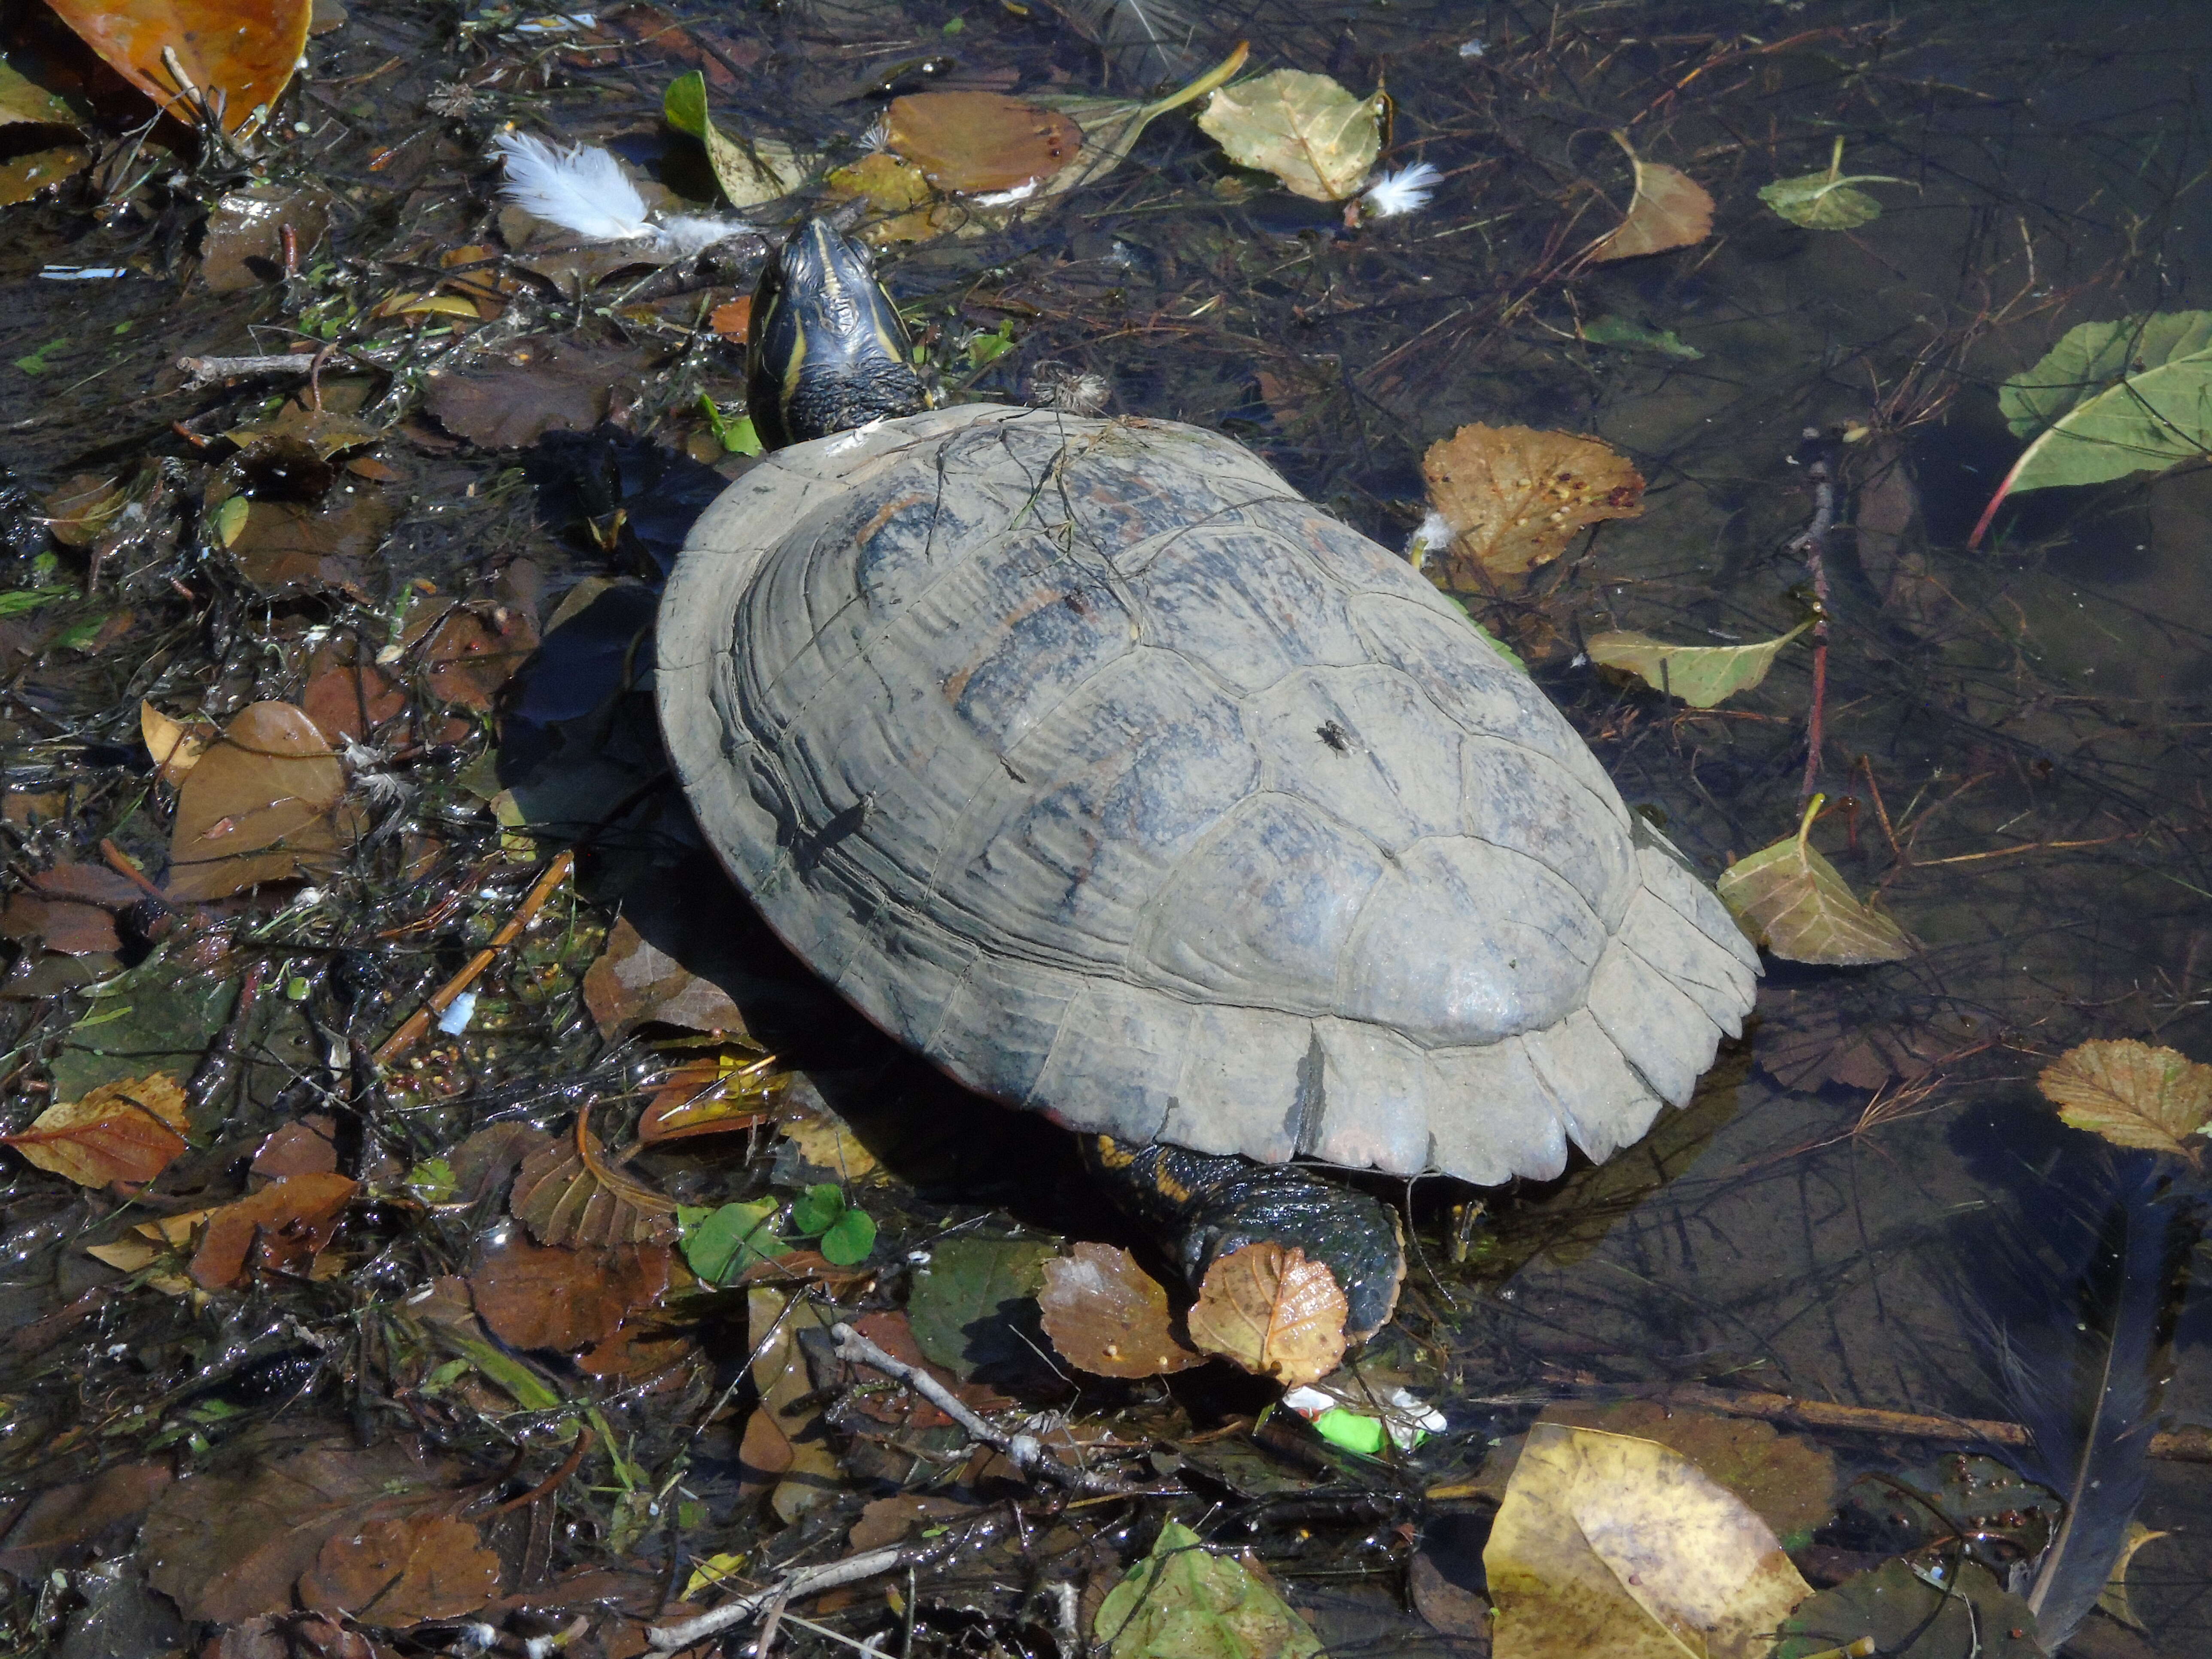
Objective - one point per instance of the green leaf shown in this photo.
(29, 599)
(230, 518)
(847, 1240)
(735, 433)
(1612, 331)
(986, 348)
(1907, 1617)
(432, 1181)
(81, 637)
(1825, 201)
(1702, 676)
(972, 1306)
(1791, 900)
(750, 171)
(2113, 398)
(724, 1243)
(816, 1209)
(1308, 131)
(1183, 1602)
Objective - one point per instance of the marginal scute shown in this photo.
(1088, 759)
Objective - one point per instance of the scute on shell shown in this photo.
(1094, 762)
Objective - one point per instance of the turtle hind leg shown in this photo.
(1200, 1206)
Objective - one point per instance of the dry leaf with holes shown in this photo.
(979, 140)
(176, 745)
(1109, 1315)
(127, 1131)
(1669, 209)
(1515, 496)
(1272, 1311)
(264, 803)
(2134, 1095)
(567, 1194)
(1790, 899)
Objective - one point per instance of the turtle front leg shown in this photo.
(1199, 1207)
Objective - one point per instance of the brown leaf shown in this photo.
(228, 1544)
(1515, 496)
(240, 54)
(350, 699)
(290, 1635)
(69, 909)
(306, 1146)
(262, 804)
(893, 1332)
(1272, 1311)
(541, 387)
(784, 1444)
(402, 1570)
(470, 655)
(1669, 209)
(733, 321)
(979, 140)
(1447, 1605)
(488, 1159)
(127, 1131)
(1788, 898)
(273, 1230)
(77, 1512)
(242, 245)
(1109, 1315)
(175, 745)
(887, 1520)
(565, 1194)
(22, 177)
(730, 1091)
(2133, 1095)
(321, 546)
(1788, 1481)
(83, 507)
(536, 1297)
(635, 981)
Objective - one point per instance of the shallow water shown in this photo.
(2033, 720)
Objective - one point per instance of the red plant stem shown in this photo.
(1981, 525)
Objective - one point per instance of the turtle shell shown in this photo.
(1090, 760)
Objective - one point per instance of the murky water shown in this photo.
(2019, 735)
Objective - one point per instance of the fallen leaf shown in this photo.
(972, 1308)
(1826, 201)
(1904, 1616)
(720, 1244)
(83, 507)
(468, 655)
(275, 1230)
(635, 982)
(1303, 127)
(78, 1511)
(2111, 399)
(1108, 1315)
(826, 1141)
(327, 545)
(1703, 676)
(729, 1090)
(242, 245)
(70, 909)
(534, 1296)
(893, 1332)
(733, 321)
(977, 142)
(290, 1635)
(402, 1570)
(347, 695)
(1669, 209)
(1789, 1481)
(1790, 899)
(565, 1194)
(1272, 1312)
(262, 804)
(22, 177)
(1609, 1544)
(1611, 331)
(1183, 1602)
(228, 1544)
(129, 1131)
(539, 387)
(2114, 1598)
(1515, 496)
(239, 53)
(175, 745)
(2133, 1095)
(1444, 1580)
(784, 1446)
(887, 1520)
(23, 103)
(750, 171)
(306, 1145)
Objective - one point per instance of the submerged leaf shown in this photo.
(2110, 399)
(2133, 1094)
(2114, 1597)
(129, 1131)
(1607, 1544)
(1303, 127)
(1109, 1315)
(1669, 209)
(1182, 1602)
(980, 140)
(402, 1571)
(1825, 201)
(1702, 676)
(750, 172)
(1514, 497)
(1789, 1481)
(973, 1305)
(281, 1228)
(1906, 1616)
(262, 804)
(1272, 1311)
(1790, 899)
(240, 54)
(567, 1195)
(1620, 331)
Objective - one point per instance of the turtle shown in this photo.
(1092, 761)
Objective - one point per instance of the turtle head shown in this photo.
(828, 352)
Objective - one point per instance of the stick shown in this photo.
(419, 1022)
(1814, 545)
(1024, 1451)
(668, 1638)
(205, 371)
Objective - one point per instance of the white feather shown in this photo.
(690, 232)
(583, 190)
(1403, 191)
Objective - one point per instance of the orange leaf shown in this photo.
(402, 1571)
(276, 1229)
(239, 53)
(1669, 209)
(1272, 1311)
(124, 1131)
(711, 1096)
(1109, 1315)
(980, 140)
(733, 321)
(260, 806)
(1515, 496)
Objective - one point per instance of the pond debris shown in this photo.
(583, 190)
(1407, 191)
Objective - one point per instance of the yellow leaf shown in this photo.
(2114, 1598)
(1515, 496)
(1609, 1545)
(174, 745)
(1272, 1311)
(1700, 674)
(1790, 899)
(2132, 1094)
(1303, 127)
(1669, 209)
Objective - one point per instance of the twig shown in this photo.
(412, 1033)
(1024, 1451)
(205, 371)
(807, 1581)
(1819, 467)
(552, 1482)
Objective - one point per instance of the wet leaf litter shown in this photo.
(421, 1234)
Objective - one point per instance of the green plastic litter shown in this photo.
(1348, 1428)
